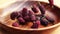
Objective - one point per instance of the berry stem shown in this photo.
(51, 2)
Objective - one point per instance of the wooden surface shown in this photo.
(51, 31)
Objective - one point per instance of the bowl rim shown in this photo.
(45, 28)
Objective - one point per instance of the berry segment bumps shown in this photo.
(35, 9)
(28, 18)
(13, 15)
(41, 8)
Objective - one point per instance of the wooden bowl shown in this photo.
(55, 10)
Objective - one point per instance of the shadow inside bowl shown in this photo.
(55, 10)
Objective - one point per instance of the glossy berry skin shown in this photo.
(21, 21)
(38, 22)
(41, 8)
(35, 25)
(30, 13)
(51, 2)
(34, 9)
(44, 22)
(33, 17)
(24, 12)
(15, 24)
(51, 20)
(13, 15)
(27, 18)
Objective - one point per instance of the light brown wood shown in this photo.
(16, 31)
